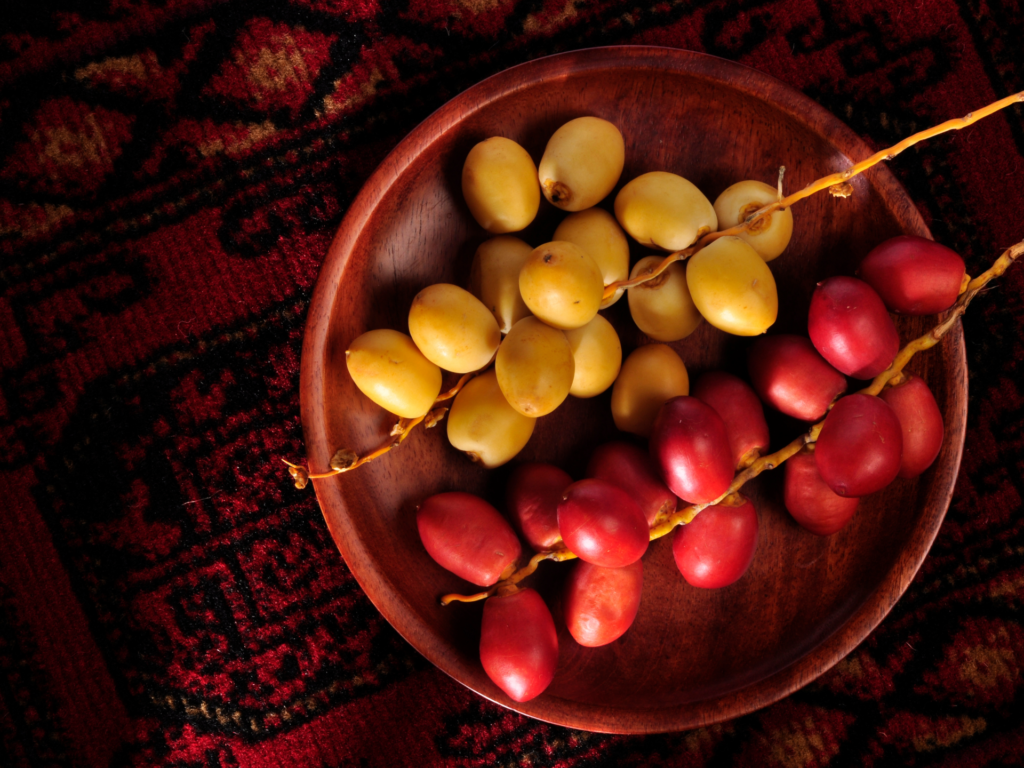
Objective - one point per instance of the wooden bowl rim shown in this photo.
(382, 591)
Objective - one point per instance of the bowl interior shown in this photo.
(693, 656)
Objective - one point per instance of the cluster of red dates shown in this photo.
(696, 445)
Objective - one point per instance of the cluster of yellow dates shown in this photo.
(545, 301)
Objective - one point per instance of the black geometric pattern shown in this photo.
(171, 174)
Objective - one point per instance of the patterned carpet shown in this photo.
(171, 174)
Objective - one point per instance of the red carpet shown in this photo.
(171, 174)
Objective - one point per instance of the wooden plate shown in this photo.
(693, 657)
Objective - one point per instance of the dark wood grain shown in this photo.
(693, 657)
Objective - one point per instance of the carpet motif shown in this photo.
(171, 176)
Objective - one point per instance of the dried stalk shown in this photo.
(345, 460)
(837, 183)
(664, 524)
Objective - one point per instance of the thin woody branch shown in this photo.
(837, 183)
(345, 460)
(664, 524)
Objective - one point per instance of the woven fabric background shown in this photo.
(171, 174)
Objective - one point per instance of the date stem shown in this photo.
(666, 522)
(837, 183)
(345, 460)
